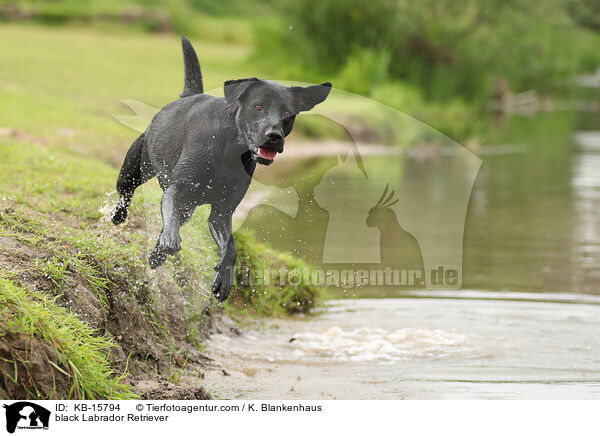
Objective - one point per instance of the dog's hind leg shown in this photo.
(135, 171)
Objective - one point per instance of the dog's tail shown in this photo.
(193, 75)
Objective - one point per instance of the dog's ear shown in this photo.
(307, 98)
(234, 89)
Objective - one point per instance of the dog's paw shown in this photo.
(221, 285)
(169, 242)
(118, 215)
(157, 258)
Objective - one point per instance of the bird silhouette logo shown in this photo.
(397, 247)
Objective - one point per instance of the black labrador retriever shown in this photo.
(204, 149)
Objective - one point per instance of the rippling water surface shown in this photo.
(488, 345)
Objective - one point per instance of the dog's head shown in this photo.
(265, 112)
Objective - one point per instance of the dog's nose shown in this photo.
(274, 136)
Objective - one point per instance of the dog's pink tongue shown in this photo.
(267, 153)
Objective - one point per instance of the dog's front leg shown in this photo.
(169, 241)
(219, 223)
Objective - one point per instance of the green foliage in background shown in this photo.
(446, 48)
(438, 60)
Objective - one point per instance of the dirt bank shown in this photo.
(149, 344)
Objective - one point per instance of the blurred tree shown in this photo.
(586, 13)
(446, 47)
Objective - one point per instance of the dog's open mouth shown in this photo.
(267, 153)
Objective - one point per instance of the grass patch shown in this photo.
(55, 340)
(275, 298)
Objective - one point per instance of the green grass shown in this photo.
(79, 351)
(63, 85)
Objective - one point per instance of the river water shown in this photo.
(517, 218)
(474, 345)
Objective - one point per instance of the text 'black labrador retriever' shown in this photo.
(204, 150)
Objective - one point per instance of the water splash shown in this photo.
(376, 344)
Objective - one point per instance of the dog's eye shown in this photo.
(287, 114)
(258, 107)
